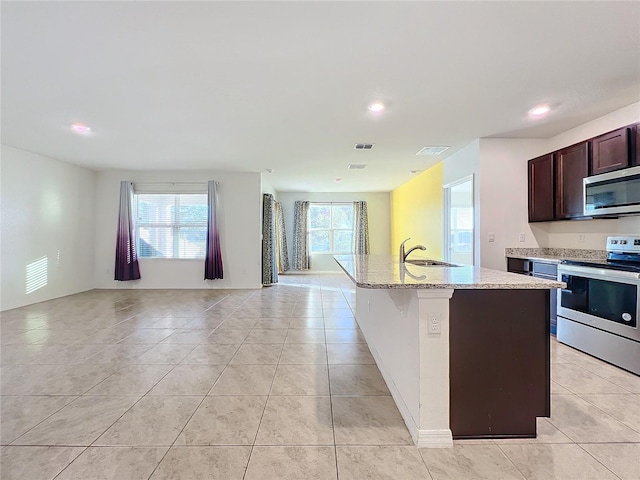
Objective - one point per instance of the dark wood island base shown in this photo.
(499, 362)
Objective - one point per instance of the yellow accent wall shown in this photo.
(416, 212)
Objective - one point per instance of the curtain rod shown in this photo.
(172, 183)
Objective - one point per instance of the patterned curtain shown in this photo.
(281, 240)
(213, 258)
(300, 238)
(269, 242)
(127, 267)
(360, 229)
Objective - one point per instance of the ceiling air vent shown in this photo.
(356, 166)
(432, 150)
(363, 146)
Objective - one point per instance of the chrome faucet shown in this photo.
(403, 255)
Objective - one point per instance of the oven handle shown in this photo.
(600, 272)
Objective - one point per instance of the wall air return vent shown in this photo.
(363, 146)
(432, 150)
(356, 166)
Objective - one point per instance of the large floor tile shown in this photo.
(79, 423)
(148, 335)
(225, 336)
(344, 336)
(301, 380)
(224, 420)
(381, 463)
(623, 459)
(356, 380)
(349, 354)
(131, 380)
(188, 336)
(266, 335)
(613, 374)
(211, 354)
(188, 380)
(114, 463)
(154, 421)
(118, 355)
(35, 463)
(245, 380)
(296, 421)
(579, 380)
(296, 335)
(557, 462)
(584, 423)
(19, 414)
(165, 354)
(257, 354)
(368, 421)
(625, 408)
(51, 379)
(304, 353)
(198, 463)
(480, 462)
(306, 322)
(292, 463)
(546, 432)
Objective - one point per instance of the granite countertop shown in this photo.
(385, 272)
(557, 255)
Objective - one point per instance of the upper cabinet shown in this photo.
(555, 179)
(635, 145)
(541, 188)
(610, 151)
(571, 166)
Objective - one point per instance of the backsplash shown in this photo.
(556, 252)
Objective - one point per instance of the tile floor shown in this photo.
(276, 383)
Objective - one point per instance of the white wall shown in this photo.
(378, 206)
(463, 163)
(47, 222)
(240, 232)
(504, 198)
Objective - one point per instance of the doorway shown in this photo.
(459, 228)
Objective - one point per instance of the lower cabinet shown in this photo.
(539, 269)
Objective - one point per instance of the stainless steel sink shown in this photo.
(431, 263)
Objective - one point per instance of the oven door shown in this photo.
(601, 298)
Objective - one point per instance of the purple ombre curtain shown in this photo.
(213, 259)
(126, 258)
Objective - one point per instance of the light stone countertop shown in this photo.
(555, 259)
(385, 272)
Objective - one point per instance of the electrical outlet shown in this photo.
(492, 237)
(434, 324)
(521, 236)
(581, 238)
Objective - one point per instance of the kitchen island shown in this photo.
(464, 350)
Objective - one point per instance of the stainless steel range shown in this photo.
(598, 311)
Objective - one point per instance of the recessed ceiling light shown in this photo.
(539, 110)
(81, 128)
(376, 107)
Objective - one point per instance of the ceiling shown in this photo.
(249, 86)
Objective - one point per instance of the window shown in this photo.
(171, 225)
(331, 228)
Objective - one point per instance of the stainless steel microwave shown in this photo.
(613, 193)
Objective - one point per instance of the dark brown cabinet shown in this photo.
(555, 179)
(610, 151)
(635, 145)
(571, 166)
(541, 189)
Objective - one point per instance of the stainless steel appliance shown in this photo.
(598, 311)
(613, 193)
